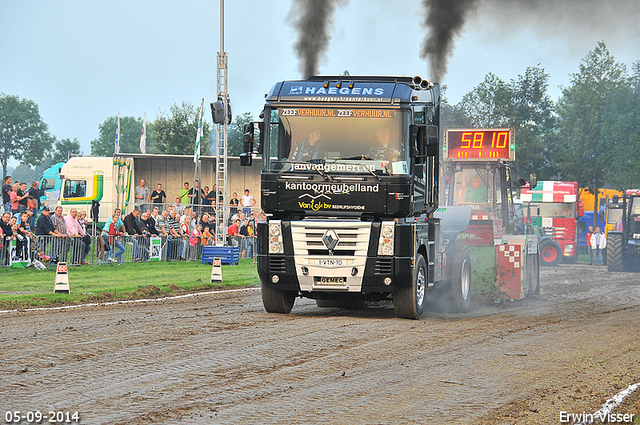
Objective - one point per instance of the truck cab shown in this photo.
(350, 184)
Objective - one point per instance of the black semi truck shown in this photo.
(350, 185)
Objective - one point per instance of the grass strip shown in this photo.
(28, 288)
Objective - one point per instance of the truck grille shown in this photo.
(353, 238)
(277, 265)
(383, 266)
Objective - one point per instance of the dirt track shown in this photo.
(219, 358)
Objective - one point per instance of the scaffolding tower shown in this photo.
(221, 139)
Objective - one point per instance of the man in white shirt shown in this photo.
(248, 202)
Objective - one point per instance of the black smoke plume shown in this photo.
(312, 20)
(443, 19)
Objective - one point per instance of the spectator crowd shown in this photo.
(182, 228)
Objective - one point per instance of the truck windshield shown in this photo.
(552, 209)
(348, 140)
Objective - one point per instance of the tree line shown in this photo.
(590, 135)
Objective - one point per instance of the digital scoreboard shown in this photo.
(479, 144)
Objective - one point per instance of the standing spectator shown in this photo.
(208, 200)
(184, 194)
(76, 233)
(7, 235)
(60, 247)
(23, 194)
(598, 243)
(248, 202)
(13, 196)
(6, 190)
(233, 204)
(141, 194)
(34, 192)
(589, 233)
(158, 196)
(196, 194)
(244, 231)
(113, 233)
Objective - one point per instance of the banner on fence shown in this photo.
(19, 256)
(155, 251)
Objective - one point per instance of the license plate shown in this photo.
(330, 262)
(331, 280)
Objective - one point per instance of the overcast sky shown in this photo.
(83, 61)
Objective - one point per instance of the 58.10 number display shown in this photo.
(479, 144)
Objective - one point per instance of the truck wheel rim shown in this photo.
(465, 280)
(420, 286)
(549, 253)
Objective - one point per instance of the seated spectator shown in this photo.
(132, 228)
(178, 206)
(233, 234)
(82, 220)
(194, 241)
(61, 245)
(176, 236)
(149, 223)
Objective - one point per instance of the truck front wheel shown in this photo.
(460, 289)
(550, 252)
(276, 300)
(409, 301)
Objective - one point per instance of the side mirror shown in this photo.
(260, 148)
(581, 209)
(533, 180)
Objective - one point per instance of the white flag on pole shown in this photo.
(117, 149)
(199, 136)
(143, 135)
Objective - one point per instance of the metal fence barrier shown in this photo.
(76, 251)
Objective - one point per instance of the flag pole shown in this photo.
(196, 156)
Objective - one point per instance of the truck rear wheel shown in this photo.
(550, 253)
(409, 301)
(460, 289)
(614, 252)
(276, 300)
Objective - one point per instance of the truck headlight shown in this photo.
(275, 238)
(386, 242)
(568, 248)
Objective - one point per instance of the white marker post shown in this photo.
(62, 279)
(216, 270)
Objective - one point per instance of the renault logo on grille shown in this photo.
(330, 239)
